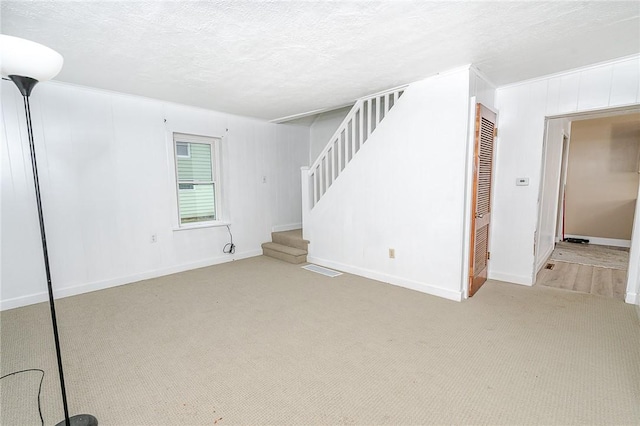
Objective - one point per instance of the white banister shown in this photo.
(306, 180)
(353, 135)
(360, 126)
(348, 139)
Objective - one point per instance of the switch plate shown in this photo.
(524, 181)
(392, 253)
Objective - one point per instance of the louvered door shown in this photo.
(482, 179)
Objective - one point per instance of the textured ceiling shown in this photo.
(274, 59)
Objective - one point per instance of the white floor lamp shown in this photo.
(26, 63)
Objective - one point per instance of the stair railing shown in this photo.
(356, 128)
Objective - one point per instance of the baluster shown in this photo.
(352, 126)
(360, 127)
(319, 180)
(344, 135)
(326, 172)
(315, 186)
(378, 111)
(337, 142)
(334, 173)
(386, 103)
(370, 118)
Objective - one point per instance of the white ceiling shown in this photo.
(272, 59)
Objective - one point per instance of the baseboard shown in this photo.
(632, 298)
(545, 258)
(289, 227)
(389, 279)
(510, 278)
(603, 241)
(60, 293)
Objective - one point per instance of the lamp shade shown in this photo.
(28, 59)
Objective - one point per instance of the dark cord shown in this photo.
(229, 248)
(39, 387)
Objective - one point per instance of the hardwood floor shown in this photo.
(584, 278)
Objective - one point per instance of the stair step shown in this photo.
(288, 254)
(290, 238)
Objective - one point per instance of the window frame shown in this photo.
(214, 146)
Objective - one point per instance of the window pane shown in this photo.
(197, 204)
(196, 167)
(182, 149)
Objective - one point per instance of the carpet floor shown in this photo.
(260, 341)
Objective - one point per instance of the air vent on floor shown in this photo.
(320, 270)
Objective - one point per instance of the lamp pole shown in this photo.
(26, 85)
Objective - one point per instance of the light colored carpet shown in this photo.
(592, 255)
(260, 341)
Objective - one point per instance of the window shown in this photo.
(197, 178)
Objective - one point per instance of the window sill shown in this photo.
(203, 225)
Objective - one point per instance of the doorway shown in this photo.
(589, 192)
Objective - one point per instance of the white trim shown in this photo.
(632, 298)
(164, 102)
(214, 148)
(633, 276)
(594, 113)
(468, 199)
(389, 279)
(545, 259)
(287, 227)
(284, 119)
(510, 278)
(200, 225)
(483, 76)
(100, 285)
(571, 71)
(602, 241)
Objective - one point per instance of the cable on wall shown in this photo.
(39, 387)
(229, 248)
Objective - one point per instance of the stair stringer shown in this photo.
(404, 190)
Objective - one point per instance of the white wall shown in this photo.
(405, 189)
(552, 167)
(633, 293)
(322, 128)
(108, 183)
(523, 108)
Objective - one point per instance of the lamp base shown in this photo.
(80, 420)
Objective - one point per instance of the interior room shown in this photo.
(598, 194)
(320, 212)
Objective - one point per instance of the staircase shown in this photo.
(363, 119)
(288, 246)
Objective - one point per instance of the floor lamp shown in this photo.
(26, 63)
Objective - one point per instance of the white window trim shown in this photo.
(214, 143)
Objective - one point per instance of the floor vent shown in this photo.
(549, 266)
(320, 270)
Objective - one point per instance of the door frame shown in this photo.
(566, 144)
(633, 275)
(474, 147)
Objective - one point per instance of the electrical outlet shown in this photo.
(154, 238)
(392, 253)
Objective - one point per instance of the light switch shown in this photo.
(522, 182)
